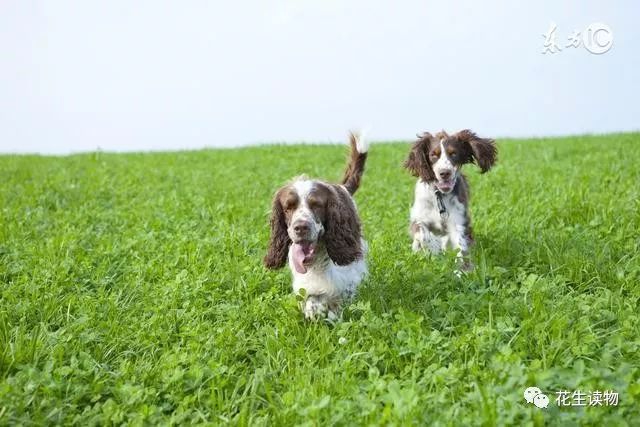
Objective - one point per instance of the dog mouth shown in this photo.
(303, 254)
(445, 185)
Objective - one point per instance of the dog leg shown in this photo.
(416, 232)
(423, 239)
(464, 263)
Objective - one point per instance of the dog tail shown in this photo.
(357, 159)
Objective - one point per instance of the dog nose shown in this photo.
(445, 174)
(301, 227)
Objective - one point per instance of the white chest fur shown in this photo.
(326, 278)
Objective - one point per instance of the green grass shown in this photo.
(132, 291)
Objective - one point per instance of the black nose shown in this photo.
(446, 174)
(301, 227)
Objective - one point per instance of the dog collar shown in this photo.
(441, 207)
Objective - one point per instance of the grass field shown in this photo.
(132, 291)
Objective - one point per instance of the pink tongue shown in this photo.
(298, 258)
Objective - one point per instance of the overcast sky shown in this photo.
(155, 75)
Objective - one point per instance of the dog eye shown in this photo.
(313, 203)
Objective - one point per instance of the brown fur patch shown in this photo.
(279, 241)
(461, 190)
(355, 167)
(342, 228)
(418, 162)
(483, 150)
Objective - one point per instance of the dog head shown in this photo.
(438, 159)
(310, 214)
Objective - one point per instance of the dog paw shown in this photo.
(318, 307)
(315, 308)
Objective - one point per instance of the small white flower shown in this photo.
(342, 340)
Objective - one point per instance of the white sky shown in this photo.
(143, 75)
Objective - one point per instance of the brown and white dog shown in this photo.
(315, 226)
(440, 213)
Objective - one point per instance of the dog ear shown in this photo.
(483, 150)
(418, 161)
(279, 241)
(342, 229)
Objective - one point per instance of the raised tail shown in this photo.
(357, 159)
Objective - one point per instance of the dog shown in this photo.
(316, 228)
(439, 217)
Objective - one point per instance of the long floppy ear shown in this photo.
(483, 150)
(418, 161)
(279, 241)
(342, 228)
